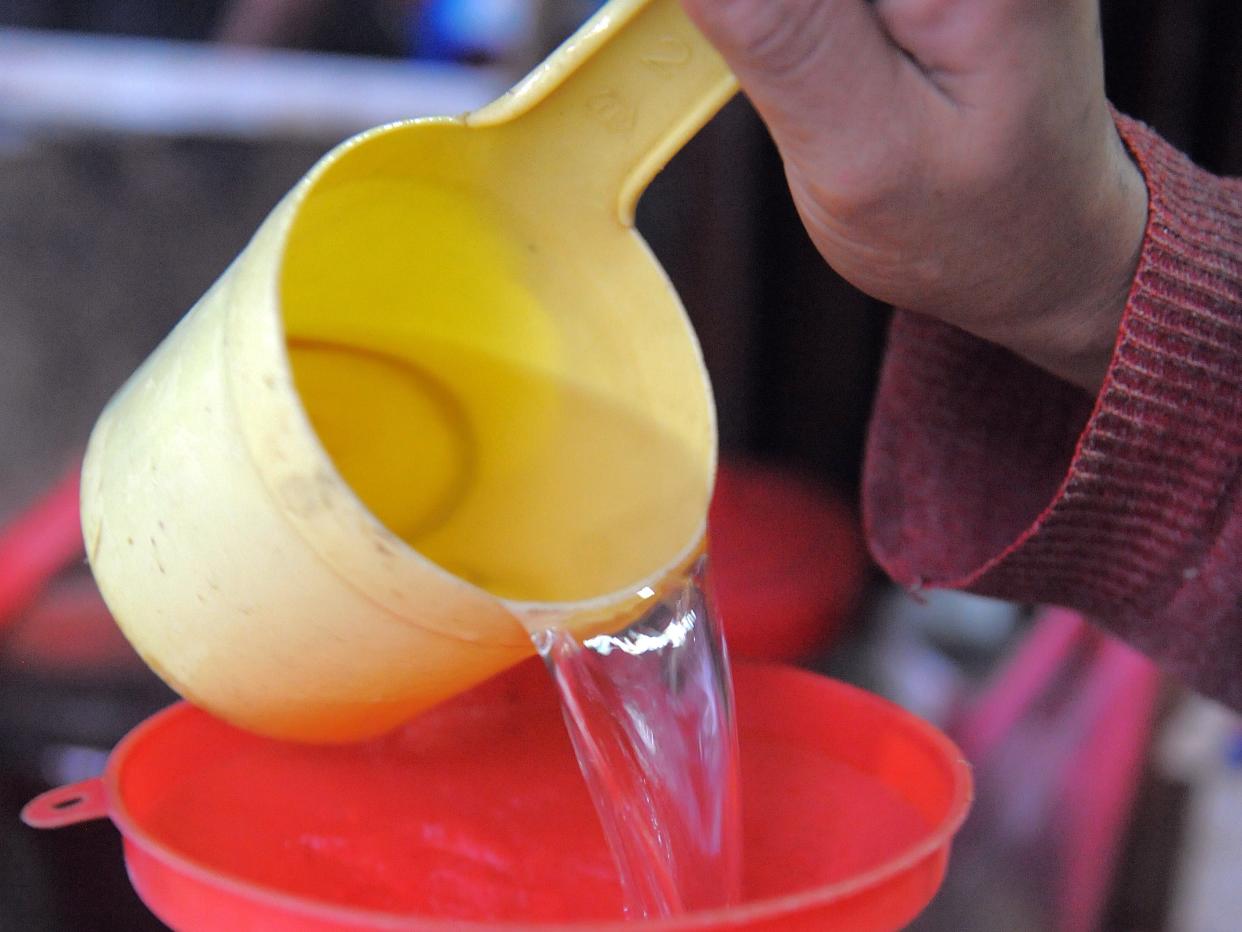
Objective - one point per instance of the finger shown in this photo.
(807, 65)
(955, 38)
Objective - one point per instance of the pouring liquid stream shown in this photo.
(650, 713)
(649, 707)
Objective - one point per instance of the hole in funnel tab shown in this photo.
(63, 804)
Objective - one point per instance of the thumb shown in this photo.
(813, 68)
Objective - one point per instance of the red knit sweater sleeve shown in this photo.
(988, 474)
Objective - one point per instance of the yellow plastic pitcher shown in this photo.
(444, 396)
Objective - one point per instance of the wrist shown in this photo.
(1075, 335)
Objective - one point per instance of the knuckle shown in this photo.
(781, 38)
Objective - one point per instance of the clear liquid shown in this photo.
(528, 485)
(650, 714)
(525, 422)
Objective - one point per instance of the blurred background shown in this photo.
(141, 143)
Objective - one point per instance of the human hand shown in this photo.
(956, 158)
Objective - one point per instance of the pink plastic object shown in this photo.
(788, 562)
(38, 544)
(1067, 721)
(475, 817)
(52, 616)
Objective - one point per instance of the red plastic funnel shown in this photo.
(474, 816)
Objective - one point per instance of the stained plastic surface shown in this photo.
(444, 390)
(850, 805)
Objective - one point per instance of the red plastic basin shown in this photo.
(788, 562)
(475, 816)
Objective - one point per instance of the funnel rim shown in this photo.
(938, 838)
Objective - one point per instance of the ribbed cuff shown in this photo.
(988, 474)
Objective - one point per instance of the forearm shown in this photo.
(988, 474)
